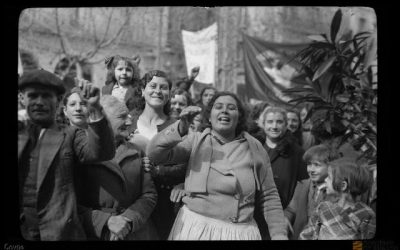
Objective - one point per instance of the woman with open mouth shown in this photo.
(228, 175)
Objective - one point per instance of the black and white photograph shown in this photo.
(183, 123)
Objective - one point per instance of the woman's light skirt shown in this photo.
(193, 226)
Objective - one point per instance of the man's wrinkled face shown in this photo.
(41, 104)
(120, 120)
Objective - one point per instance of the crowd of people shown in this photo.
(142, 160)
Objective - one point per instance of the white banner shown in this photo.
(200, 50)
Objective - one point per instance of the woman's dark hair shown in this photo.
(138, 100)
(112, 64)
(298, 134)
(202, 92)
(242, 121)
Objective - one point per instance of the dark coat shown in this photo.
(118, 187)
(288, 167)
(61, 149)
(164, 213)
(297, 210)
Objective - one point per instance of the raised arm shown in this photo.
(169, 147)
(98, 143)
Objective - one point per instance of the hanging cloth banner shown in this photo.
(267, 72)
(200, 50)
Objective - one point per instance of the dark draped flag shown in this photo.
(269, 70)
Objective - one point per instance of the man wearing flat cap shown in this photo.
(47, 153)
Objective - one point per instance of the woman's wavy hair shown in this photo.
(242, 121)
(200, 101)
(272, 109)
(299, 132)
(111, 64)
(139, 100)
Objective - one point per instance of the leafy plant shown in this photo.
(342, 86)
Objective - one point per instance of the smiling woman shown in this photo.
(285, 153)
(152, 100)
(228, 176)
(152, 97)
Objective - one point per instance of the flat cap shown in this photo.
(41, 77)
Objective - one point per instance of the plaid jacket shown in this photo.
(332, 222)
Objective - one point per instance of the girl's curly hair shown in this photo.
(111, 64)
(138, 102)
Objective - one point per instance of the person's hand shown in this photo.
(177, 193)
(119, 226)
(194, 72)
(186, 118)
(91, 95)
(89, 92)
(289, 226)
(150, 167)
(113, 237)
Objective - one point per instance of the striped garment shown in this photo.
(332, 222)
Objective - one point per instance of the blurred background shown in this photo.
(75, 41)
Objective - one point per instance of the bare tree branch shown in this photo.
(60, 36)
(103, 44)
(96, 39)
(108, 26)
(96, 62)
(91, 53)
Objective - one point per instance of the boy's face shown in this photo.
(317, 170)
(178, 103)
